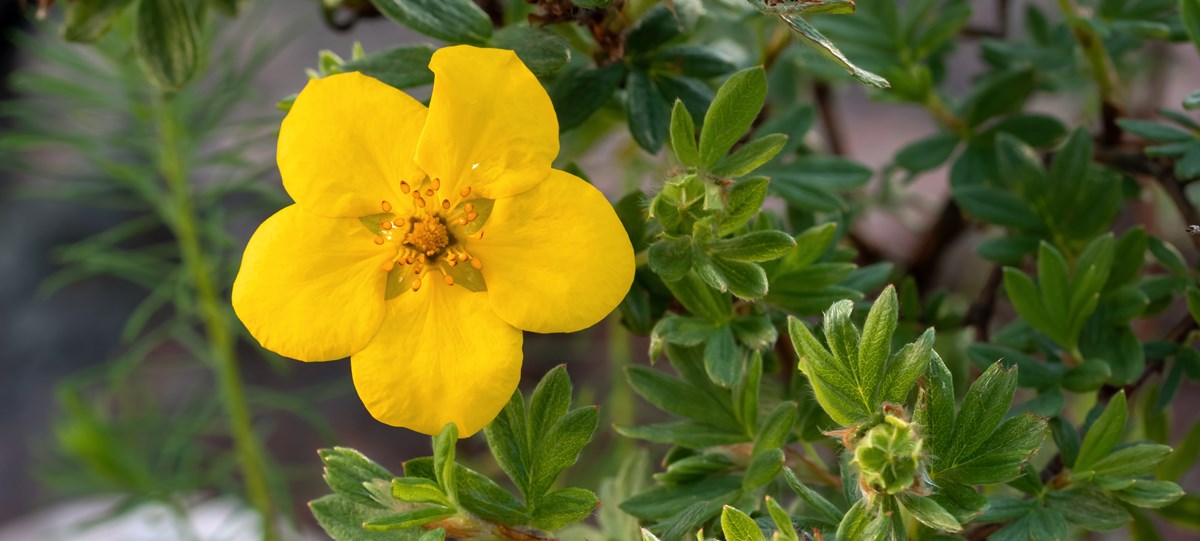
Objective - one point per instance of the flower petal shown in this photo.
(441, 356)
(347, 143)
(555, 258)
(491, 125)
(310, 287)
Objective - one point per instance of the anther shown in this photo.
(462, 221)
(470, 207)
(387, 207)
(448, 279)
(429, 192)
(389, 265)
(409, 260)
(446, 204)
(403, 188)
(465, 192)
(437, 183)
(416, 194)
(416, 284)
(420, 202)
(471, 216)
(379, 240)
(452, 262)
(385, 225)
(475, 262)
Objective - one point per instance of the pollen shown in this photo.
(428, 236)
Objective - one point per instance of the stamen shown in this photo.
(417, 283)
(429, 192)
(387, 207)
(379, 240)
(446, 204)
(471, 216)
(437, 183)
(388, 266)
(476, 263)
(462, 221)
(385, 225)
(469, 207)
(465, 192)
(420, 202)
(448, 279)
(403, 188)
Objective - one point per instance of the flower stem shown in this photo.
(182, 218)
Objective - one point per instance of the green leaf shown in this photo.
(777, 428)
(745, 280)
(562, 507)
(88, 20)
(166, 37)
(443, 459)
(929, 153)
(983, 407)
(745, 199)
(549, 403)
(1000, 457)
(1027, 300)
(997, 94)
(997, 206)
(676, 396)
(1086, 377)
(721, 358)
(689, 434)
(756, 332)
(579, 93)
(418, 490)
(400, 67)
(1088, 508)
(1150, 494)
(667, 500)
(731, 113)
(542, 51)
(1032, 372)
(436, 534)
(508, 438)
(476, 493)
(560, 449)
(452, 21)
(1039, 524)
(1133, 461)
(816, 39)
(745, 394)
(647, 110)
(961, 501)
(1154, 131)
(671, 258)
(763, 468)
(875, 346)
(343, 520)
(905, 368)
(1193, 100)
(855, 523)
(684, 330)
(683, 135)
(408, 519)
(754, 246)
(813, 501)
(832, 386)
(655, 28)
(738, 526)
(1193, 303)
(929, 512)
(1104, 433)
(694, 61)
(935, 410)
(700, 299)
(784, 529)
(750, 156)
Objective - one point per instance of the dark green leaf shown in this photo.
(722, 360)
(667, 500)
(671, 258)
(929, 153)
(983, 407)
(744, 201)
(580, 93)
(452, 21)
(648, 112)
(1089, 508)
(166, 42)
(875, 347)
(754, 246)
(88, 20)
(813, 501)
(777, 428)
(400, 67)
(683, 135)
(1104, 433)
(763, 468)
(905, 368)
(655, 28)
(1151, 494)
(929, 512)
(745, 280)
(997, 206)
(542, 51)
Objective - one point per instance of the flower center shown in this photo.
(428, 235)
(432, 237)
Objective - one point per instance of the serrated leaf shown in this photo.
(1000, 457)
(507, 437)
(549, 402)
(905, 367)
(731, 113)
(343, 520)
(560, 449)
(983, 407)
(347, 470)
(832, 386)
(476, 493)
(875, 346)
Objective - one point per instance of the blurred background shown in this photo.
(103, 406)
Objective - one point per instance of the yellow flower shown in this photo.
(423, 241)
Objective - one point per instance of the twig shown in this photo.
(949, 225)
(1101, 70)
(823, 97)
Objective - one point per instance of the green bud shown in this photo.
(888, 456)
